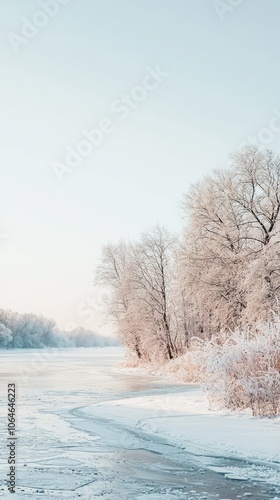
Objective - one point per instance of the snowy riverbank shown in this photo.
(190, 423)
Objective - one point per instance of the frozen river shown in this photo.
(62, 452)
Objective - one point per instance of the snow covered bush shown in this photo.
(187, 368)
(244, 371)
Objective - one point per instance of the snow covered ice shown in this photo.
(88, 431)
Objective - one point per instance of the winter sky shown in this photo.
(221, 69)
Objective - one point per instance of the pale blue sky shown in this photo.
(223, 86)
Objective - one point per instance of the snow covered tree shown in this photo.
(5, 336)
(233, 222)
(29, 330)
(153, 260)
(115, 272)
(82, 337)
(212, 256)
(140, 277)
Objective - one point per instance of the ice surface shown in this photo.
(86, 431)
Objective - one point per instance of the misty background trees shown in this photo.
(221, 275)
(29, 331)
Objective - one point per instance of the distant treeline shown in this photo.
(29, 331)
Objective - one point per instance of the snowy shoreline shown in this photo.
(189, 423)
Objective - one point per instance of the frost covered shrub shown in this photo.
(244, 371)
(189, 367)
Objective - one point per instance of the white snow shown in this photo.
(65, 449)
(188, 421)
